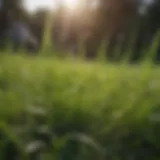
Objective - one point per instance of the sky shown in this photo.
(31, 5)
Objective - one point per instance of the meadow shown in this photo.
(64, 109)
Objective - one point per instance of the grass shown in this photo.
(109, 107)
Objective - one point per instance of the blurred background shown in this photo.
(90, 22)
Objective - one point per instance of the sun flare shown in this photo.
(70, 4)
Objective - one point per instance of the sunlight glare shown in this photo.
(70, 4)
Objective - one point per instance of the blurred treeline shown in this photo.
(118, 24)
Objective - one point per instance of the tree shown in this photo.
(111, 19)
(10, 10)
(37, 23)
(153, 22)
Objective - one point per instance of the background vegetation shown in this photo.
(113, 22)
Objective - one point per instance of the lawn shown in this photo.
(68, 109)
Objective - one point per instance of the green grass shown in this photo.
(112, 104)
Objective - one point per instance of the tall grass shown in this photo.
(57, 99)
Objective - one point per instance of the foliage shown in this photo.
(38, 22)
(152, 17)
(65, 109)
(111, 21)
(9, 11)
(107, 21)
